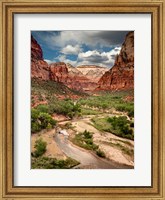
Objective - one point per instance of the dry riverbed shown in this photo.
(119, 151)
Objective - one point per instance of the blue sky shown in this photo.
(80, 47)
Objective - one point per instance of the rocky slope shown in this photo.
(121, 75)
(39, 68)
(92, 72)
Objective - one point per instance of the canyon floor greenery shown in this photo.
(103, 114)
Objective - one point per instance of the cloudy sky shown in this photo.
(80, 47)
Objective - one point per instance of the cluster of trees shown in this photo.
(40, 147)
(66, 107)
(121, 126)
(41, 115)
(41, 120)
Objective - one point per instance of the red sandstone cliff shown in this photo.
(59, 72)
(39, 68)
(70, 76)
(121, 75)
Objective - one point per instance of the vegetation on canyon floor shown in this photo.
(43, 162)
(119, 126)
(101, 107)
(85, 140)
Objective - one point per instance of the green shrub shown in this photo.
(41, 120)
(40, 147)
(132, 124)
(35, 127)
(87, 135)
(53, 163)
(131, 113)
(85, 140)
(121, 126)
(100, 153)
(43, 108)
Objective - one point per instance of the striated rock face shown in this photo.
(39, 68)
(59, 72)
(36, 51)
(70, 76)
(92, 72)
(121, 75)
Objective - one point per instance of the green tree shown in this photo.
(40, 147)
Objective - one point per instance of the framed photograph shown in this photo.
(82, 99)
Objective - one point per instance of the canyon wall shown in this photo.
(121, 75)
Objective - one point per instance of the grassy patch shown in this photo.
(107, 101)
(101, 124)
(119, 126)
(124, 142)
(53, 163)
(89, 111)
(85, 140)
(124, 149)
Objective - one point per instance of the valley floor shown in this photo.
(119, 151)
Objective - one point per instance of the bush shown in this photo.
(53, 163)
(40, 147)
(100, 153)
(121, 126)
(41, 120)
(85, 140)
(132, 124)
(131, 113)
(46, 120)
(87, 135)
(43, 108)
(35, 127)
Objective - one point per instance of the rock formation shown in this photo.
(92, 72)
(39, 68)
(121, 75)
(70, 76)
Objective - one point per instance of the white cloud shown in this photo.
(48, 61)
(62, 58)
(99, 58)
(69, 49)
(105, 59)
